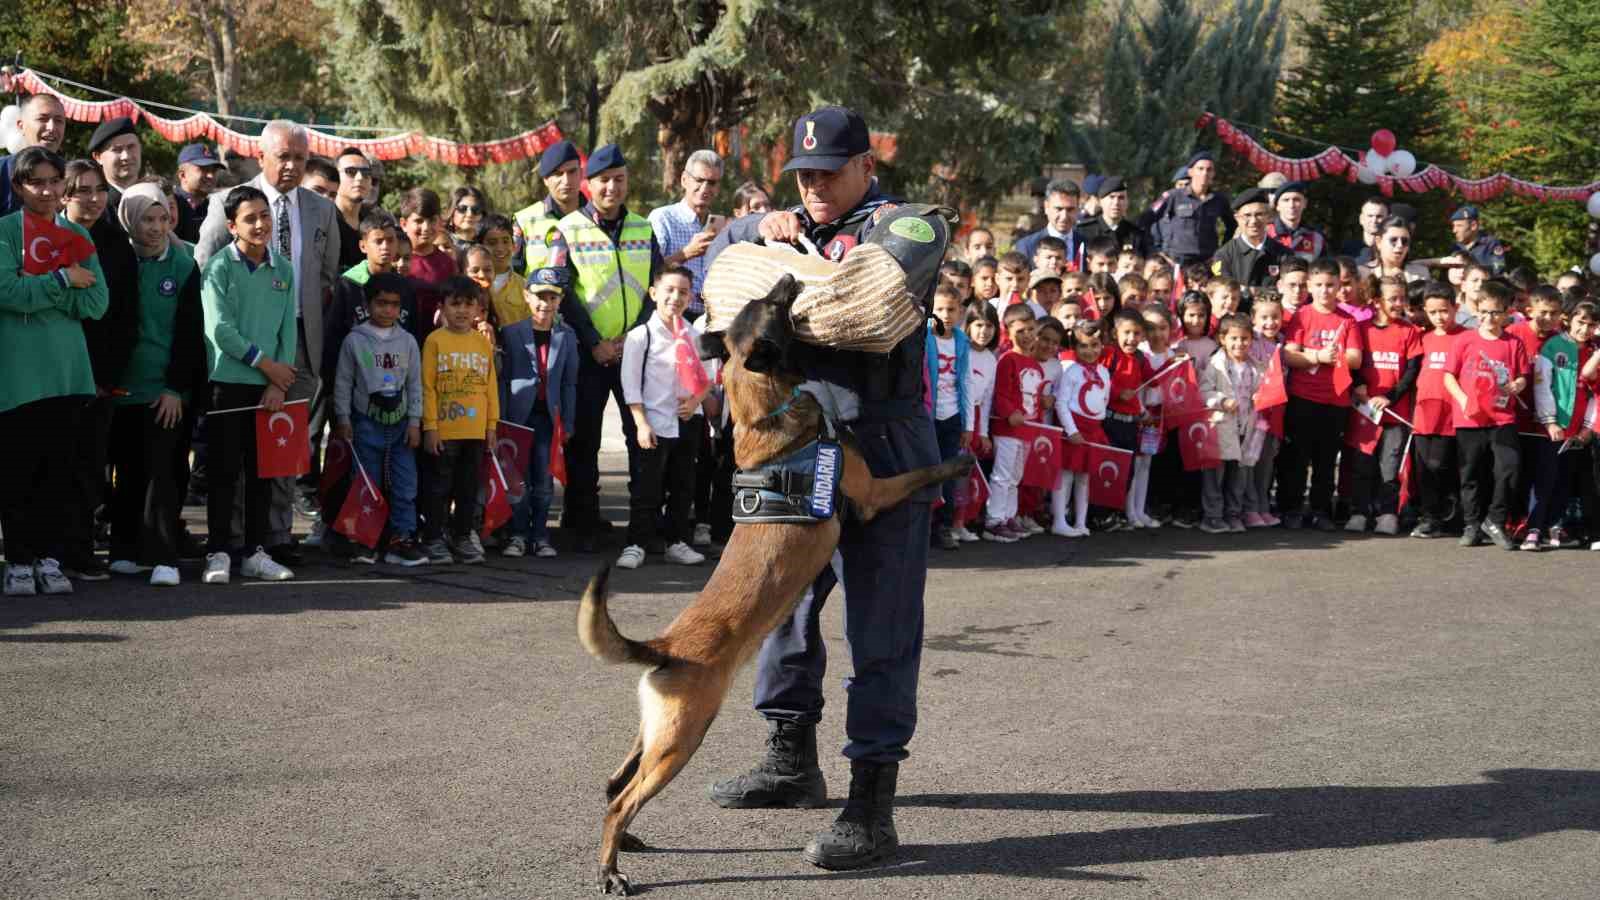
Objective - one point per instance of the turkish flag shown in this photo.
(1274, 390)
(975, 495)
(692, 376)
(1483, 397)
(1342, 379)
(335, 469)
(513, 446)
(283, 441)
(1177, 286)
(1362, 433)
(496, 503)
(364, 513)
(48, 245)
(558, 453)
(1043, 456)
(1109, 471)
(1181, 401)
(1405, 476)
(1200, 445)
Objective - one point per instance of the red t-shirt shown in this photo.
(1433, 412)
(1018, 385)
(430, 271)
(1389, 350)
(1128, 371)
(1532, 343)
(1503, 359)
(1313, 330)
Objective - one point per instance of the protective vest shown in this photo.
(537, 224)
(612, 276)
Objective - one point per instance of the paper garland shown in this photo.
(526, 145)
(1333, 161)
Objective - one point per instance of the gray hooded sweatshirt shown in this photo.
(380, 376)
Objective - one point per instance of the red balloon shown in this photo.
(1383, 141)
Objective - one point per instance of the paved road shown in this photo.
(1265, 716)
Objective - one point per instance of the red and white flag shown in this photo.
(1362, 433)
(1483, 397)
(692, 377)
(974, 495)
(364, 513)
(513, 446)
(1342, 378)
(335, 468)
(1273, 390)
(48, 245)
(1109, 471)
(283, 441)
(1405, 475)
(496, 502)
(1181, 400)
(1200, 445)
(1043, 456)
(558, 453)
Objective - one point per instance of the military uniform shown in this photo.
(1304, 241)
(1252, 267)
(1127, 234)
(1487, 251)
(1185, 226)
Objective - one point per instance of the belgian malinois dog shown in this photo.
(764, 571)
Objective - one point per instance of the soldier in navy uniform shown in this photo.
(1251, 257)
(1472, 241)
(882, 565)
(1289, 228)
(1112, 221)
(1186, 223)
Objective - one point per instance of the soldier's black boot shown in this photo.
(864, 832)
(787, 777)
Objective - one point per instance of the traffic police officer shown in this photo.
(1250, 257)
(536, 223)
(881, 565)
(1289, 229)
(1112, 221)
(611, 259)
(1186, 222)
(1485, 249)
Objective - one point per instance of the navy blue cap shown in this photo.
(198, 154)
(1245, 198)
(110, 128)
(1181, 173)
(555, 156)
(1290, 187)
(1199, 156)
(1465, 212)
(548, 279)
(1091, 184)
(1109, 184)
(828, 138)
(607, 157)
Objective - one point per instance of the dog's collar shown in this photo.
(783, 407)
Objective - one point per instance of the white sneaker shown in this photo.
(1148, 521)
(217, 566)
(702, 535)
(469, 548)
(1030, 526)
(165, 576)
(632, 555)
(1079, 531)
(47, 573)
(965, 535)
(319, 529)
(126, 567)
(19, 581)
(261, 565)
(684, 555)
(1356, 524)
(1061, 529)
(517, 546)
(543, 550)
(1388, 523)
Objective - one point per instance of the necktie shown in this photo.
(281, 228)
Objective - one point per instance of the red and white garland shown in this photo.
(1335, 162)
(526, 145)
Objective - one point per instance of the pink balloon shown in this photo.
(1383, 141)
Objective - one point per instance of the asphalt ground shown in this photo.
(1269, 715)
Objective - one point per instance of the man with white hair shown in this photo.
(305, 231)
(43, 123)
(681, 229)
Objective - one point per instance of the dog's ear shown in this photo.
(784, 293)
(712, 346)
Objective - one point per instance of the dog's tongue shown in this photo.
(916, 235)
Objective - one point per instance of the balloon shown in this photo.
(1594, 204)
(1377, 162)
(1594, 263)
(1383, 141)
(10, 134)
(1402, 163)
(1366, 175)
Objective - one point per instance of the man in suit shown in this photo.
(304, 229)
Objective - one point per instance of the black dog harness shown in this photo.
(803, 488)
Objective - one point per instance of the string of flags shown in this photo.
(1334, 162)
(527, 145)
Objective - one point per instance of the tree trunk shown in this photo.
(219, 23)
(682, 121)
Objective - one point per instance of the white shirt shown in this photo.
(1082, 390)
(981, 366)
(944, 395)
(294, 228)
(653, 382)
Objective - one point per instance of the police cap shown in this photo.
(555, 156)
(197, 154)
(1468, 212)
(1109, 184)
(1290, 187)
(607, 157)
(828, 138)
(1245, 198)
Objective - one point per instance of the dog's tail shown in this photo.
(599, 634)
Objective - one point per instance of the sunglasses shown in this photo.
(357, 171)
(470, 210)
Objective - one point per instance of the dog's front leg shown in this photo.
(873, 495)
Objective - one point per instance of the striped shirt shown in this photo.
(674, 227)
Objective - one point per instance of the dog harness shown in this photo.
(802, 488)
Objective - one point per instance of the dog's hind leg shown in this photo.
(624, 773)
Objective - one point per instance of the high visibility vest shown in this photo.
(612, 276)
(537, 225)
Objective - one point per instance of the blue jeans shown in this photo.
(389, 462)
(948, 432)
(531, 517)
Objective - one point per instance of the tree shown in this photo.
(1160, 76)
(1360, 74)
(664, 77)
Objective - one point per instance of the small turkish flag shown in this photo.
(692, 376)
(48, 246)
(496, 503)
(1342, 379)
(1181, 401)
(1274, 391)
(975, 495)
(1043, 456)
(283, 442)
(513, 446)
(1405, 476)
(1483, 397)
(1109, 470)
(1201, 446)
(558, 453)
(1362, 433)
(1177, 286)
(364, 513)
(335, 469)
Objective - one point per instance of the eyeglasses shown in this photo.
(703, 182)
(357, 171)
(470, 210)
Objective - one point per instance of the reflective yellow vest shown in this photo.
(612, 277)
(537, 224)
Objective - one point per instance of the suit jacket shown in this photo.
(315, 274)
(519, 375)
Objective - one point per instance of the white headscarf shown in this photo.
(135, 202)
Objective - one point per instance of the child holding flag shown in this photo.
(1432, 417)
(247, 294)
(661, 393)
(1229, 381)
(1083, 393)
(1487, 368)
(1018, 385)
(460, 407)
(1266, 351)
(1321, 345)
(1566, 411)
(539, 385)
(1389, 370)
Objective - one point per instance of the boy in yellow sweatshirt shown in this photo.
(460, 409)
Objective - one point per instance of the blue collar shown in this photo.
(784, 407)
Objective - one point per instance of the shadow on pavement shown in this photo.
(62, 638)
(1513, 804)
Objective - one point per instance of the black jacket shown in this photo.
(111, 337)
(1250, 267)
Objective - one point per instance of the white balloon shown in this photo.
(1377, 162)
(1366, 175)
(15, 142)
(10, 133)
(1594, 204)
(1402, 163)
(9, 117)
(1594, 263)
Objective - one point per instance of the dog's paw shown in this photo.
(632, 844)
(615, 883)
